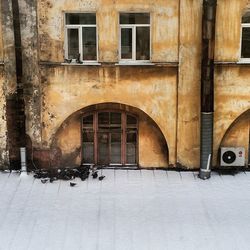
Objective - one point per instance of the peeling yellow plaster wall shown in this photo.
(1, 37)
(188, 141)
(228, 29)
(164, 27)
(152, 147)
(232, 98)
(68, 89)
(238, 136)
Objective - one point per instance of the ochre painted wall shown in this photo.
(232, 98)
(164, 18)
(228, 29)
(188, 134)
(152, 145)
(238, 135)
(67, 89)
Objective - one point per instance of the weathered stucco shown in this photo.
(238, 134)
(68, 89)
(232, 99)
(167, 92)
(228, 29)
(153, 151)
(31, 82)
(188, 133)
(164, 19)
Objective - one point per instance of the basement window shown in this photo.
(245, 37)
(134, 37)
(80, 37)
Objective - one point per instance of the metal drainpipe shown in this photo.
(20, 106)
(207, 87)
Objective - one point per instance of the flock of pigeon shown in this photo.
(82, 172)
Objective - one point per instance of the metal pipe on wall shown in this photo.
(207, 87)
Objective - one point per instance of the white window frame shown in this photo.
(243, 59)
(133, 27)
(79, 27)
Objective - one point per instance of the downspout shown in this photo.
(20, 105)
(207, 87)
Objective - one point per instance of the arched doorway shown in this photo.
(110, 137)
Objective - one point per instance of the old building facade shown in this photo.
(117, 83)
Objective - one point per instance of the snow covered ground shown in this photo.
(129, 209)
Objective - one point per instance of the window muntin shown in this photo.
(81, 37)
(245, 37)
(135, 37)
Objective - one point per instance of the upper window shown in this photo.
(134, 36)
(80, 37)
(245, 37)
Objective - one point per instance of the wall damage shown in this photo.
(166, 90)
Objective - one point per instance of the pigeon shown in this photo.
(67, 60)
(95, 175)
(44, 181)
(101, 177)
(72, 184)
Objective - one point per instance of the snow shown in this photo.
(129, 209)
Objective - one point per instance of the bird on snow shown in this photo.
(95, 175)
(72, 184)
(101, 177)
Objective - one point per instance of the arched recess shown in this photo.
(152, 148)
(238, 135)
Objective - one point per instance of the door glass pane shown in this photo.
(115, 148)
(115, 120)
(88, 152)
(87, 121)
(103, 118)
(103, 148)
(126, 43)
(134, 18)
(245, 43)
(89, 43)
(88, 136)
(73, 43)
(131, 148)
(131, 120)
(88, 146)
(80, 18)
(142, 43)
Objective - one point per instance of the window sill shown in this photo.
(82, 64)
(244, 61)
(134, 64)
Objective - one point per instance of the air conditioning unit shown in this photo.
(230, 157)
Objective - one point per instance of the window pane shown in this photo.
(142, 43)
(115, 148)
(73, 43)
(131, 120)
(103, 118)
(126, 43)
(87, 121)
(115, 118)
(88, 136)
(245, 44)
(103, 148)
(134, 18)
(246, 18)
(131, 153)
(80, 18)
(89, 43)
(131, 137)
(88, 152)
